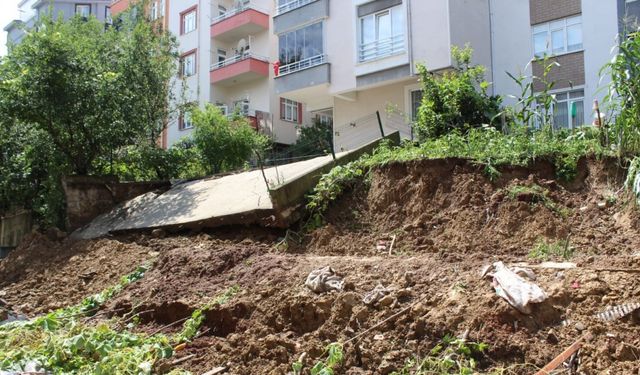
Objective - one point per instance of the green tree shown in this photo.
(224, 143)
(314, 140)
(456, 99)
(90, 90)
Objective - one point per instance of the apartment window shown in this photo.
(557, 37)
(154, 13)
(302, 44)
(83, 10)
(107, 15)
(221, 10)
(381, 34)
(416, 102)
(161, 6)
(222, 55)
(290, 110)
(189, 20)
(188, 68)
(185, 122)
(568, 109)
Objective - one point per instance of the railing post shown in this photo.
(380, 124)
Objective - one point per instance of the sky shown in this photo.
(8, 12)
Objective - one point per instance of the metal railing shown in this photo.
(232, 12)
(291, 5)
(302, 65)
(381, 48)
(237, 58)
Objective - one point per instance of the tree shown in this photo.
(91, 90)
(314, 140)
(455, 100)
(224, 143)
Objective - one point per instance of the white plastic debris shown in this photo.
(324, 280)
(520, 293)
(375, 295)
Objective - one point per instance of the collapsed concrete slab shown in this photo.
(269, 199)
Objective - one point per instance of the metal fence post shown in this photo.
(380, 124)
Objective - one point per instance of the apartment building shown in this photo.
(283, 63)
(30, 10)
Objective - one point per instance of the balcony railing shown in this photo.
(381, 48)
(302, 64)
(291, 5)
(237, 58)
(232, 12)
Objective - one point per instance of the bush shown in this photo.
(314, 140)
(457, 100)
(224, 143)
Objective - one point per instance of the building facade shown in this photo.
(30, 10)
(286, 63)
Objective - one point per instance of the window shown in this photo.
(189, 21)
(290, 110)
(222, 55)
(324, 118)
(557, 37)
(107, 15)
(154, 11)
(381, 34)
(185, 122)
(83, 10)
(416, 102)
(188, 64)
(568, 110)
(221, 10)
(161, 6)
(301, 44)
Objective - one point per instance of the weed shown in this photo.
(191, 327)
(450, 356)
(335, 356)
(536, 194)
(544, 250)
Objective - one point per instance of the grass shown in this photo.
(544, 250)
(485, 146)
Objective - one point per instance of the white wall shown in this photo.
(511, 44)
(599, 29)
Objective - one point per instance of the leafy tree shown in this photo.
(90, 90)
(224, 143)
(314, 140)
(455, 100)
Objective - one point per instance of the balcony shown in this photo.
(238, 69)
(238, 22)
(381, 48)
(304, 80)
(299, 12)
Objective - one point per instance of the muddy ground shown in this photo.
(449, 221)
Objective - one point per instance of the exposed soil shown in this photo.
(449, 221)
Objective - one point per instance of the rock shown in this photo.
(378, 337)
(386, 301)
(153, 254)
(418, 310)
(602, 205)
(580, 326)
(158, 233)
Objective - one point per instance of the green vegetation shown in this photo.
(536, 194)
(224, 143)
(314, 140)
(451, 356)
(455, 100)
(191, 327)
(62, 343)
(335, 357)
(544, 250)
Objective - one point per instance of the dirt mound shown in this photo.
(448, 220)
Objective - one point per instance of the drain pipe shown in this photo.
(412, 67)
(493, 71)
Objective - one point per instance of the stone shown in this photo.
(580, 326)
(158, 233)
(386, 301)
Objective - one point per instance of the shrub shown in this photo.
(457, 100)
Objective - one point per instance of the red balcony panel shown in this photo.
(247, 22)
(119, 6)
(242, 71)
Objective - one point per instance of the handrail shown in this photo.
(291, 5)
(238, 10)
(237, 58)
(381, 48)
(302, 64)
